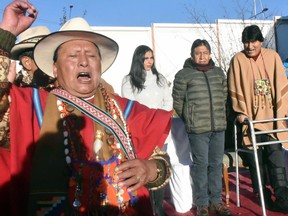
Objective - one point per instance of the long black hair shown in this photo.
(137, 71)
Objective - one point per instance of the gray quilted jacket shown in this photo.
(199, 98)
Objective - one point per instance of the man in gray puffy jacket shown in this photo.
(199, 93)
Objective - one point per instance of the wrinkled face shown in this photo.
(148, 61)
(78, 68)
(252, 49)
(201, 55)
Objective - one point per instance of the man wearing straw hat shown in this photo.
(94, 153)
(30, 74)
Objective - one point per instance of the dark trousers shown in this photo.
(206, 172)
(157, 198)
(271, 164)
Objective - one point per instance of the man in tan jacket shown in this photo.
(259, 90)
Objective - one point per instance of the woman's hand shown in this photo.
(135, 173)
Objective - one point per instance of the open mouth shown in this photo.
(249, 52)
(84, 76)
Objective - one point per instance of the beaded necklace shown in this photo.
(76, 157)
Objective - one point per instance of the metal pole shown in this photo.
(254, 142)
(255, 8)
(71, 6)
(237, 164)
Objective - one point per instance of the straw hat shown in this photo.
(28, 39)
(76, 28)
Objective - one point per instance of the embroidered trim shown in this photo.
(5, 85)
(262, 88)
(4, 53)
(101, 117)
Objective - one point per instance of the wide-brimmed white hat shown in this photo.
(75, 28)
(28, 39)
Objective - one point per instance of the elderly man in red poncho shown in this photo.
(81, 149)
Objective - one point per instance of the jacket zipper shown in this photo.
(211, 110)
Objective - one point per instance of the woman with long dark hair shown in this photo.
(144, 83)
(149, 87)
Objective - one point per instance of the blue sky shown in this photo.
(144, 13)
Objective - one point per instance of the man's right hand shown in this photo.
(18, 16)
(241, 117)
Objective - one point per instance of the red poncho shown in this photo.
(148, 127)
